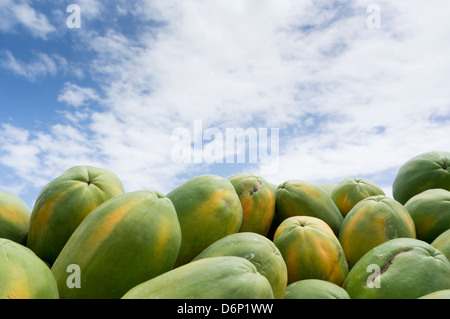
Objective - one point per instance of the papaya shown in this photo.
(301, 198)
(208, 209)
(315, 289)
(424, 171)
(14, 218)
(226, 277)
(310, 250)
(371, 222)
(259, 250)
(329, 187)
(125, 241)
(257, 200)
(23, 275)
(352, 190)
(401, 268)
(63, 203)
(442, 243)
(430, 211)
(440, 294)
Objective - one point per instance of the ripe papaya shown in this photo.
(208, 209)
(257, 200)
(371, 222)
(125, 241)
(62, 205)
(311, 250)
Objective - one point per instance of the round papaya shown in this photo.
(442, 243)
(441, 294)
(401, 268)
(310, 250)
(300, 198)
(371, 222)
(208, 209)
(125, 241)
(425, 171)
(227, 277)
(14, 218)
(430, 211)
(352, 190)
(257, 200)
(63, 203)
(315, 289)
(23, 275)
(257, 249)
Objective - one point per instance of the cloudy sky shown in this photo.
(154, 89)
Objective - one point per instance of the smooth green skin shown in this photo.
(315, 289)
(204, 220)
(430, 211)
(442, 243)
(352, 190)
(425, 171)
(256, 189)
(294, 198)
(409, 268)
(227, 277)
(130, 254)
(373, 221)
(23, 275)
(441, 294)
(329, 187)
(16, 229)
(257, 249)
(74, 194)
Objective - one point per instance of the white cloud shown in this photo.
(42, 65)
(77, 96)
(13, 13)
(348, 100)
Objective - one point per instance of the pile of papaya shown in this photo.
(236, 237)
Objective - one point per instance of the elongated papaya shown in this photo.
(208, 209)
(228, 277)
(125, 241)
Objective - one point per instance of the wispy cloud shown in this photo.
(13, 13)
(348, 100)
(42, 65)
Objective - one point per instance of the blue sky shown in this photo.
(348, 100)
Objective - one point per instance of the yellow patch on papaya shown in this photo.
(103, 230)
(10, 214)
(19, 289)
